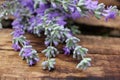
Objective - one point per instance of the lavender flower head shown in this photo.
(66, 51)
(29, 54)
(110, 12)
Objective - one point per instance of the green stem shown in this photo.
(21, 43)
(82, 57)
(49, 56)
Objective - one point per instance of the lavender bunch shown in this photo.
(52, 17)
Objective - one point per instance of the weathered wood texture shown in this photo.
(110, 2)
(1, 1)
(105, 54)
(112, 23)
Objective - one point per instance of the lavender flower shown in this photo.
(79, 52)
(67, 51)
(16, 47)
(16, 24)
(84, 63)
(76, 14)
(26, 42)
(27, 3)
(61, 21)
(42, 8)
(29, 54)
(71, 42)
(90, 4)
(18, 42)
(110, 12)
(50, 52)
(18, 32)
(48, 64)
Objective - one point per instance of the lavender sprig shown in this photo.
(84, 63)
(50, 52)
(79, 52)
(49, 64)
(29, 54)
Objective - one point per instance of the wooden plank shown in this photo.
(112, 23)
(105, 54)
(1, 1)
(110, 2)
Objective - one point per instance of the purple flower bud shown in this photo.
(61, 21)
(54, 5)
(29, 54)
(76, 14)
(17, 14)
(55, 43)
(31, 62)
(16, 47)
(15, 22)
(91, 5)
(72, 9)
(27, 3)
(18, 32)
(47, 43)
(66, 51)
(42, 8)
(68, 35)
(26, 43)
(110, 13)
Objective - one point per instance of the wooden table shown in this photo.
(104, 51)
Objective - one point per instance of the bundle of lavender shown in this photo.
(53, 18)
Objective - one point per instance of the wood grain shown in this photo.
(111, 23)
(105, 54)
(110, 2)
(1, 1)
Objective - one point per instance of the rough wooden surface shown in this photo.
(110, 2)
(112, 23)
(105, 54)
